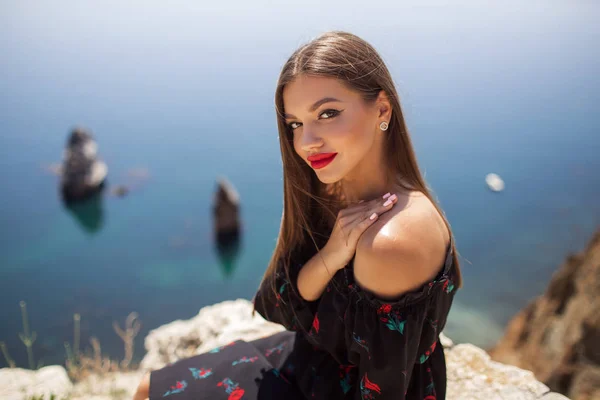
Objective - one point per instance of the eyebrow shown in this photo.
(315, 106)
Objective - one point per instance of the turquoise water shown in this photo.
(185, 92)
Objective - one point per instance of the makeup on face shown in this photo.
(321, 160)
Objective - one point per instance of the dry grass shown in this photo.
(80, 365)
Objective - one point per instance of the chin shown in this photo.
(328, 178)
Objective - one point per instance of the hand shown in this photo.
(350, 224)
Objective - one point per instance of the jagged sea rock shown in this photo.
(82, 173)
(226, 212)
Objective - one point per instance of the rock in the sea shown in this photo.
(83, 174)
(557, 336)
(226, 210)
(494, 182)
(227, 225)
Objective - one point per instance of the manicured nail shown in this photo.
(388, 202)
(393, 197)
(385, 196)
(373, 216)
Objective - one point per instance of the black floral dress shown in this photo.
(348, 344)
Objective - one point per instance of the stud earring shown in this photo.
(383, 126)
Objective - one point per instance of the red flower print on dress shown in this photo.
(232, 388)
(393, 318)
(178, 388)
(428, 353)
(448, 286)
(277, 349)
(384, 309)
(218, 349)
(345, 378)
(315, 323)
(367, 388)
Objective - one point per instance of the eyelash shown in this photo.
(334, 113)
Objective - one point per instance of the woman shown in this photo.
(364, 271)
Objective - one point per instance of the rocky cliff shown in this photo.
(557, 336)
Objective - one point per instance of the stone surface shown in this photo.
(473, 375)
(214, 326)
(19, 384)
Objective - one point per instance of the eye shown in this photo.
(331, 112)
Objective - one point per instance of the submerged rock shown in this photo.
(82, 173)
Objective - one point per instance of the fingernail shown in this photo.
(373, 216)
(385, 196)
(388, 202)
(393, 197)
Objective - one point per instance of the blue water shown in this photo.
(185, 93)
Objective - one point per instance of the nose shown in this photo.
(310, 141)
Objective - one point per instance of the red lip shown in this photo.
(320, 156)
(318, 161)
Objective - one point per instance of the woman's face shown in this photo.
(347, 126)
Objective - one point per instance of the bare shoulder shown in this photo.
(403, 250)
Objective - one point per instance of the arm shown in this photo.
(317, 272)
(287, 306)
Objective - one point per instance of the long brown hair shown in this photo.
(310, 207)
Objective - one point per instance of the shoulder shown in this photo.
(403, 250)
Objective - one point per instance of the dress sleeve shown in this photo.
(285, 307)
(389, 338)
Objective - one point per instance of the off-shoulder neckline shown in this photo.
(408, 298)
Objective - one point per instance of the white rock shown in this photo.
(115, 385)
(494, 182)
(214, 326)
(446, 341)
(19, 383)
(472, 375)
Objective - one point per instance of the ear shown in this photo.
(383, 106)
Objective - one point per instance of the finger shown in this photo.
(378, 206)
(362, 226)
(386, 205)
